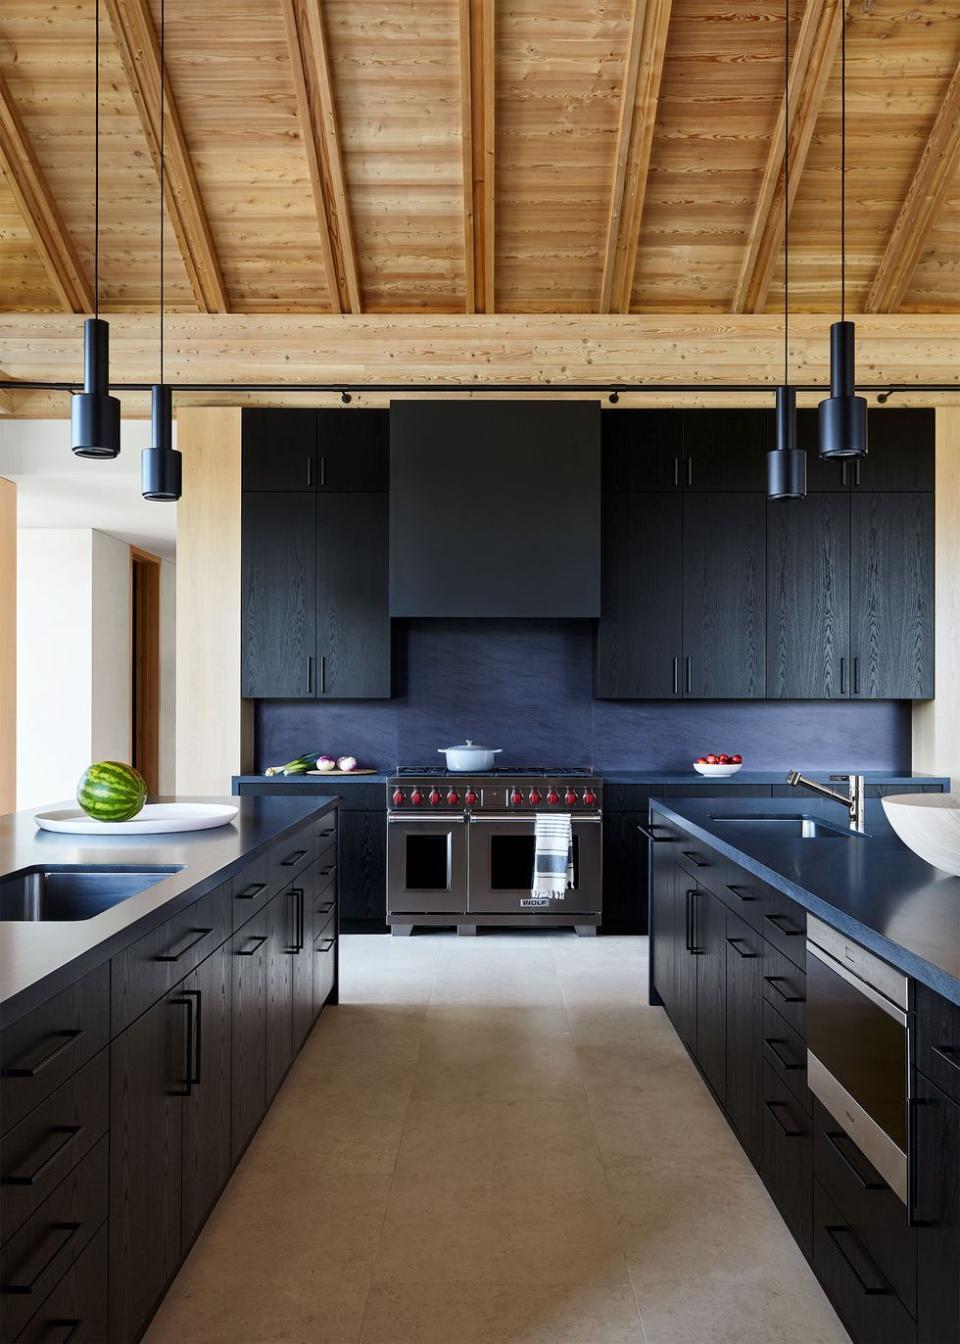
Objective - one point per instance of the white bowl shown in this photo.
(929, 824)
(717, 771)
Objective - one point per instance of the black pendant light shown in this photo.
(786, 463)
(843, 415)
(94, 414)
(160, 464)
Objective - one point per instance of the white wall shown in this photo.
(168, 677)
(73, 658)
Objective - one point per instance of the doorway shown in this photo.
(145, 666)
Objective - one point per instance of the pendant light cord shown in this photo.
(96, 164)
(843, 163)
(786, 192)
(163, 73)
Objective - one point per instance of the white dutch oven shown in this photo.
(468, 758)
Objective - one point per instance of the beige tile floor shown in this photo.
(494, 1141)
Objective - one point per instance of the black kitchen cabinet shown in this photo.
(710, 945)
(808, 599)
(744, 1016)
(642, 451)
(279, 449)
(937, 1209)
(248, 960)
(891, 595)
(280, 918)
(639, 643)
(206, 1107)
(726, 450)
(724, 596)
(278, 595)
(352, 620)
(353, 450)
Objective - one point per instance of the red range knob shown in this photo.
(589, 798)
(398, 796)
(434, 797)
(453, 797)
(516, 797)
(553, 797)
(569, 797)
(471, 797)
(416, 797)
(535, 797)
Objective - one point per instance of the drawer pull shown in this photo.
(775, 981)
(691, 854)
(949, 1054)
(294, 858)
(66, 1039)
(71, 1230)
(196, 936)
(69, 1133)
(835, 1138)
(879, 1284)
(252, 891)
(782, 1059)
(326, 945)
(739, 892)
(746, 955)
(773, 1107)
(783, 925)
(256, 940)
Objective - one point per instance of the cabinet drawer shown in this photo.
(938, 1040)
(324, 962)
(786, 988)
(787, 1155)
(862, 1295)
(46, 1046)
(76, 1310)
(786, 1053)
(38, 1153)
(784, 924)
(290, 858)
(37, 1257)
(871, 1209)
(143, 973)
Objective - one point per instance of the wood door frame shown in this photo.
(145, 666)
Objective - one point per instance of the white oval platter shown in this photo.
(154, 819)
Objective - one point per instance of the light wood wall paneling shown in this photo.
(936, 723)
(140, 51)
(477, 120)
(39, 210)
(214, 725)
(8, 646)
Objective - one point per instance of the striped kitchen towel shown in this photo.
(553, 859)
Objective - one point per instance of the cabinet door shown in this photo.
(278, 588)
(937, 1208)
(642, 450)
(353, 450)
(640, 631)
(709, 939)
(279, 989)
(744, 1019)
(892, 595)
(248, 964)
(206, 1111)
(301, 956)
(149, 1077)
(353, 621)
(726, 450)
(901, 450)
(663, 928)
(808, 598)
(724, 597)
(279, 449)
(684, 1014)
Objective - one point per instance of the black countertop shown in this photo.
(38, 959)
(871, 887)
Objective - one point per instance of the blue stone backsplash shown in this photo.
(526, 686)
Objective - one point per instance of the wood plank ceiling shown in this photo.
(480, 156)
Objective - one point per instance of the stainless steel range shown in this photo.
(460, 848)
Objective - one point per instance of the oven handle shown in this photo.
(425, 816)
(529, 816)
(861, 986)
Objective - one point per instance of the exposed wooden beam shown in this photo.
(477, 103)
(813, 59)
(638, 114)
(310, 59)
(22, 170)
(136, 38)
(931, 182)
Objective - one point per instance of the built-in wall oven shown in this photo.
(858, 1047)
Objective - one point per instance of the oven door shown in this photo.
(426, 865)
(501, 868)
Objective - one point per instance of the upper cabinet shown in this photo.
(316, 450)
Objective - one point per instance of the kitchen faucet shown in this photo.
(852, 800)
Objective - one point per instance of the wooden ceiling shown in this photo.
(479, 156)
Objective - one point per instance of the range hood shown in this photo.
(495, 508)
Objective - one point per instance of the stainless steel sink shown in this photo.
(797, 827)
(73, 893)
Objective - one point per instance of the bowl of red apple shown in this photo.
(718, 764)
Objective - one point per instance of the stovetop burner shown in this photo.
(501, 772)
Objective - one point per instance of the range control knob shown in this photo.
(416, 797)
(516, 797)
(589, 798)
(553, 797)
(471, 797)
(453, 797)
(535, 797)
(434, 797)
(569, 797)
(398, 797)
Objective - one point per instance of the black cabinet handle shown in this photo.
(774, 981)
(877, 1284)
(837, 1137)
(196, 936)
(783, 925)
(71, 1230)
(688, 675)
(676, 676)
(783, 1060)
(257, 940)
(294, 858)
(746, 955)
(69, 1133)
(656, 839)
(692, 856)
(252, 892)
(773, 1107)
(326, 945)
(739, 892)
(949, 1054)
(31, 1070)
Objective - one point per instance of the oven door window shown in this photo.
(511, 862)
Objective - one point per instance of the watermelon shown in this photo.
(111, 791)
